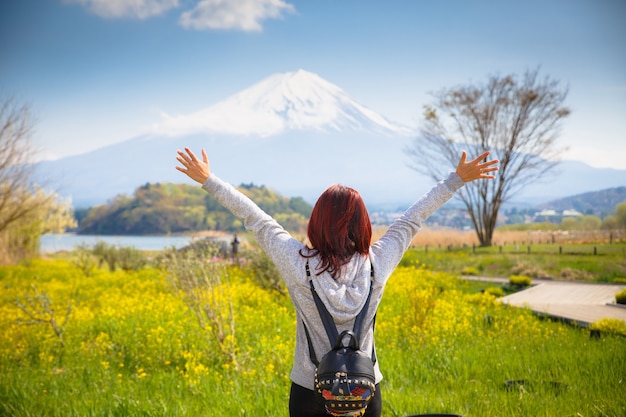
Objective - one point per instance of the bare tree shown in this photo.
(16, 127)
(518, 120)
(26, 210)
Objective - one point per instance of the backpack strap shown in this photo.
(312, 354)
(329, 323)
(358, 322)
(327, 319)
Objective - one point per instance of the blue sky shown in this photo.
(100, 71)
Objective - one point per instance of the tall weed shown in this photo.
(202, 282)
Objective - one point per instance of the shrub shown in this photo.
(39, 309)
(105, 254)
(469, 270)
(130, 259)
(575, 274)
(531, 270)
(620, 297)
(264, 271)
(520, 280)
(611, 326)
(84, 259)
(127, 258)
(495, 291)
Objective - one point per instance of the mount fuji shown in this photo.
(293, 132)
(293, 101)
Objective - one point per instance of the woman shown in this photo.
(341, 260)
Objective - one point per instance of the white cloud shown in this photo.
(245, 15)
(223, 118)
(140, 9)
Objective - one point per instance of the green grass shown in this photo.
(135, 346)
(568, 262)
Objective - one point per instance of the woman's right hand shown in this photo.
(475, 169)
(194, 168)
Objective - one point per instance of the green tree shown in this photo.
(588, 222)
(610, 223)
(618, 220)
(620, 213)
(518, 120)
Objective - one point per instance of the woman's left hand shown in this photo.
(475, 169)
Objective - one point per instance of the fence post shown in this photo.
(529, 249)
(560, 250)
(595, 250)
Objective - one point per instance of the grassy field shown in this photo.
(581, 262)
(583, 256)
(194, 338)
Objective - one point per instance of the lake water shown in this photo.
(66, 242)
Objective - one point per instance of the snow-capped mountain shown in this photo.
(298, 100)
(294, 132)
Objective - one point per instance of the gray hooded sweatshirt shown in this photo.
(345, 296)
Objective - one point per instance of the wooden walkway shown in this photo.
(578, 302)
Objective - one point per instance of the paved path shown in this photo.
(581, 302)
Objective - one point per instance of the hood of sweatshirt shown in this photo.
(345, 296)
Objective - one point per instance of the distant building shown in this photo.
(546, 213)
(552, 216)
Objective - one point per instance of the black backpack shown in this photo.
(344, 378)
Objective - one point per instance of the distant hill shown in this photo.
(180, 208)
(599, 203)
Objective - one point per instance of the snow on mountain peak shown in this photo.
(295, 100)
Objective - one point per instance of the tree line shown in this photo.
(163, 208)
(615, 218)
(614, 221)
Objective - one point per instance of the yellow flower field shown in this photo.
(149, 343)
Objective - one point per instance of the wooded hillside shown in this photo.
(178, 208)
(600, 203)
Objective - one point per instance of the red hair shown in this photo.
(338, 228)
